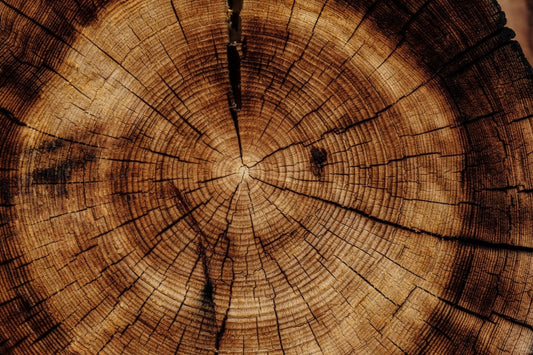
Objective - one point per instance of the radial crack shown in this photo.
(234, 46)
(179, 22)
(222, 328)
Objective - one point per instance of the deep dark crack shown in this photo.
(235, 45)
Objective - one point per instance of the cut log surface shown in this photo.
(281, 177)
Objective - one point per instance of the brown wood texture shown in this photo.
(264, 177)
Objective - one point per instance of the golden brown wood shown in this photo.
(285, 177)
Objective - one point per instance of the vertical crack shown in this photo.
(234, 67)
(235, 118)
(222, 329)
(234, 49)
(179, 22)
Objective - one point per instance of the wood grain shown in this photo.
(285, 177)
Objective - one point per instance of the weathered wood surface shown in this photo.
(291, 177)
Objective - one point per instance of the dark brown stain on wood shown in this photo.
(319, 157)
(58, 176)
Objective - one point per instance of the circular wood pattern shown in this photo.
(292, 177)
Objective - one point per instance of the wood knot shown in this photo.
(319, 156)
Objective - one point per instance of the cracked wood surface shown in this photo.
(281, 177)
